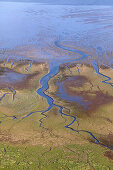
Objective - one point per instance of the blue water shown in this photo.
(96, 67)
(58, 27)
(54, 68)
(39, 25)
(68, 2)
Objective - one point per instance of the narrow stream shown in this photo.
(54, 68)
(87, 27)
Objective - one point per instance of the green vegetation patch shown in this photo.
(89, 156)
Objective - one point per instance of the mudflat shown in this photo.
(56, 86)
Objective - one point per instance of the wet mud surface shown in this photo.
(9, 78)
(55, 68)
(92, 99)
(109, 155)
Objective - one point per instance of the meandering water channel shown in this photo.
(77, 30)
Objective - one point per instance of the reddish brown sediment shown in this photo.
(95, 98)
(27, 82)
(21, 84)
(76, 81)
(99, 100)
(109, 154)
(104, 67)
(107, 119)
(104, 140)
(107, 140)
(15, 79)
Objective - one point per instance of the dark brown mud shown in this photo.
(9, 78)
(95, 98)
(109, 154)
(105, 140)
(76, 81)
(22, 76)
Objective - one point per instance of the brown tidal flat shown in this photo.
(105, 140)
(96, 98)
(8, 79)
(19, 77)
(109, 154)
(76, 81)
